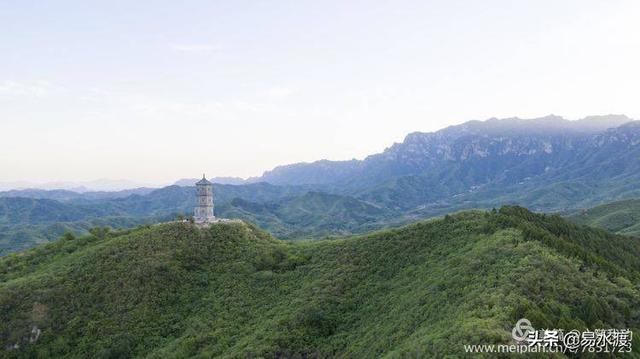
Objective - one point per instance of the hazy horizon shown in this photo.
(110, 184)
(156, 91)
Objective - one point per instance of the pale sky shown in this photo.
(154, 91)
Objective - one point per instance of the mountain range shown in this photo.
(547, 164)
(497, 144)
(103, 184)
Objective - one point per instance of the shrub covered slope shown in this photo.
(423, 290)
(621, 217)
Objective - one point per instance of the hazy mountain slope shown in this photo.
(286, 211)
(177, 199)
(67, 195)
(25, 222)
(571, 172)
(318, 172)
(549, 164)
(99, 185)
(621, 217)
(496, 145)
(313, 214)
(160, 202)
(29, 210)
(422, 290)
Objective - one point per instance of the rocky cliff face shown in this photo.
(501, 145)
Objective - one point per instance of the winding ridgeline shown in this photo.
(231, 290)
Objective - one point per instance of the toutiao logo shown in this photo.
(521, 330)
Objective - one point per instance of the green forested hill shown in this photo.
(173, 291)
(621, 217)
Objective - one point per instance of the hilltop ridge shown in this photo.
(425, 289)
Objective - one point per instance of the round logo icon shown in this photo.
(521, 330)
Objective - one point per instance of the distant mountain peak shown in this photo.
(603, 122)
(547, 124)
(423, 152)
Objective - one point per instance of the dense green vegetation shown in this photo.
(621, 217)
(423, 290)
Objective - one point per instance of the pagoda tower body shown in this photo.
(204, 202)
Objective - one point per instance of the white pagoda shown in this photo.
(204, 202)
